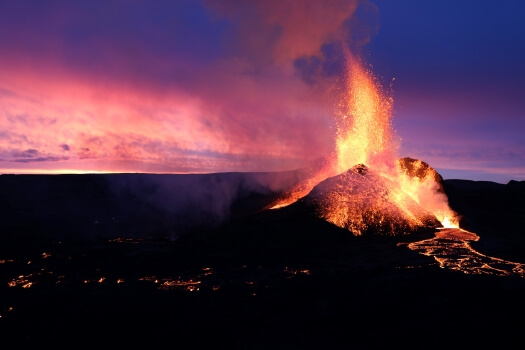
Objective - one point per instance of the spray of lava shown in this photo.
(365, 135)
(364, 131)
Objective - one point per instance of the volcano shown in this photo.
(365, 202)
(363, 186)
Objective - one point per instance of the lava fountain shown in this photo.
(364, 130)
(363, 185)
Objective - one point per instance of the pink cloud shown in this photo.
(228, 128)
(232, 112)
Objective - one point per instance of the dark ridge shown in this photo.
(132, 205)
(496, 212)
(285, 278)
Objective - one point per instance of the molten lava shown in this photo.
(451, 248)
(424, 185)
(364, 202)
(364, 131)
(392, 195)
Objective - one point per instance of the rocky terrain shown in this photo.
(129, 260)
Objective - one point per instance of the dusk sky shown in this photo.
(214, 86)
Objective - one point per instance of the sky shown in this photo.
(215, 86)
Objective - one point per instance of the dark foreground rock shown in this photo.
(131, 205)
(277, 279)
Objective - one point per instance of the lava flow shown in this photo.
(391, 195)
(451, 249)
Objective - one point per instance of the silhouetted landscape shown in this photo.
(185, 261)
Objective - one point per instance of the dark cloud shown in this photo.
(40, 159)
(21, 118)
(28, 153)
(33, 155)
(12, 137)
(7, 93)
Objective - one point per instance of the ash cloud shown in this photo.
(286, 30)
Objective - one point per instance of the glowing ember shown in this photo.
(294, 271)
(207, 271)
(22, 281)
(153, 279)
(188, 285)
(397, 195)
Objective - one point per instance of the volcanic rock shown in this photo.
(420, 169)
(364, 202)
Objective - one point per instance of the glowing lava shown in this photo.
(400, 194)
(424, 185)
(365, 202)
(364, 131)
(449, 222)
(451, 249)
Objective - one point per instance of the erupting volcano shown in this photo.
(363, 186)
(363, 201)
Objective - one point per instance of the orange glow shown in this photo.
(421, 182)
(387, 196)
(449, 222)
(451, 249)
(188, 285)
(364, 131)
(22, 281)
